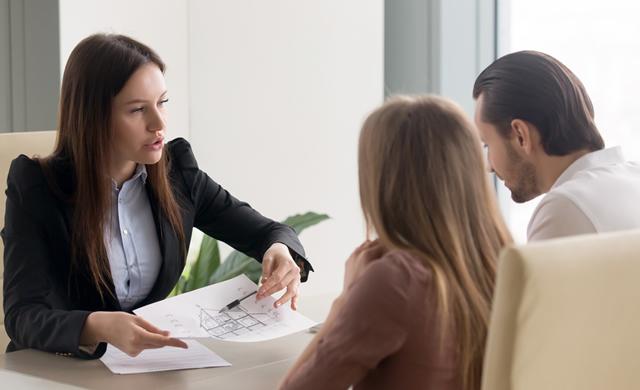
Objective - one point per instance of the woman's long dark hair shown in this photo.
(97, 69)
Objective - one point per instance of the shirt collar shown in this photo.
(590, 160)
(139, 174)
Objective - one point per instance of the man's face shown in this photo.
(506, 161)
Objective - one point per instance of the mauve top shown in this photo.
(385, 335)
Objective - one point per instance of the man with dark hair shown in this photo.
(536, 120)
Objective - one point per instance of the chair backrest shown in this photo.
(566, 315)
(11, 145)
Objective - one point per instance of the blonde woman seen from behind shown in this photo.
(415, 304)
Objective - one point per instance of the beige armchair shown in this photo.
(11, 145)
(566, 315)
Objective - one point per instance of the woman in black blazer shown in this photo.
(60, 292)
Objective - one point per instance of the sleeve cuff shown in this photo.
(88, 349)
(91, 351)
(305, 266)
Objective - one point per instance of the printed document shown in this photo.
(162, 359)
(197, 314)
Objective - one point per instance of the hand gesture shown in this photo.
(279, 271)
(127, 332)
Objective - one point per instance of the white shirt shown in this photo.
(132, 241)
(599, 192)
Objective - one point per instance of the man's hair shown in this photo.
(539, 89)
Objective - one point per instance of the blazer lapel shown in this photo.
(172, 261)
(89, 298)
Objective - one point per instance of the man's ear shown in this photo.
(523, 136)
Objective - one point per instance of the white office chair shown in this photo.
(11, 145)
(566, 315)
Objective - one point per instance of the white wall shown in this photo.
(278, 91)
(161, 24)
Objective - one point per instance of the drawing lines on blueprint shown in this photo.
(238, 321)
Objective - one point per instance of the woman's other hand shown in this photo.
(279, 271)
(127, 332)
(367, 252)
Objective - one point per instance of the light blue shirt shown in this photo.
(132, 242)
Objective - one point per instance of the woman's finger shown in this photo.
(279, 279)
(149, 327)
(292, 291)
(267, 268)
(148, 338)
(174, 342)
(133, 352)
(152, 346)
(282, 283)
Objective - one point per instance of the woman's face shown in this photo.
(138, 118)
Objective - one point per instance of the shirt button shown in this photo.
(125, 231)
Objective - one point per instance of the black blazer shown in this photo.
(46, 303)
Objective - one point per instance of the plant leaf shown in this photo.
(299, 222)
(207, 269)
(179, 288)
(238, 263)
(207, 262)
(235, 264)
(253, 271)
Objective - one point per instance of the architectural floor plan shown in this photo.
(236, 321)
(197, 314)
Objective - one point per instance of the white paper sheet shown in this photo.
(195, 314)
(162, 359)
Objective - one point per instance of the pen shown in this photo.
(236, 302)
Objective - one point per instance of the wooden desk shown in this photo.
(254, 365)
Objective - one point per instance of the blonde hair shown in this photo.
(424, 188)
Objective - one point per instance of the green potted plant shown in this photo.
(208, 269)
